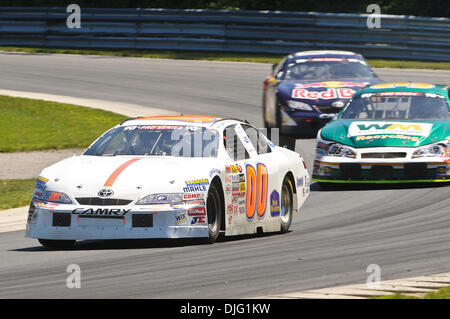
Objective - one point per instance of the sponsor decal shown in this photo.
(242, 187)
(161, 127)
(300, 182)
(198, 185)
(241, 178)
(330, 84)
(227, 169)
(274, 204)
(198, 220)
(214, 171)
(100, 212)
(180, 218)
(192, 196)
(239, 168)
(403, 84)
(38, 195)
(229, 209)
(42, 179)
(382, 137)
(359, 128)
(328, 94)
(197, 211)
(234, 169)
(398, 94)
(196, 182)
(228, 188)
(177, 206)
(41, 183)
(46, 205)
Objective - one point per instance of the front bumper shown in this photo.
(328, 169)
(60, 223)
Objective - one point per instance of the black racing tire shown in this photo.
(286, 204)
(214, 213)
(60, 244)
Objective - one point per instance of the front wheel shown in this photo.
(214, 213)
(287, 205)
(60, 244)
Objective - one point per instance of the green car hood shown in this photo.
(364, 133)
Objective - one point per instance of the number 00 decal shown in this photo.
(256, 190)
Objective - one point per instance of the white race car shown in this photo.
(169, 177)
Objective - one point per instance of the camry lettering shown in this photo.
(101, 211)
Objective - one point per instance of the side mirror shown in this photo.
(274, 66)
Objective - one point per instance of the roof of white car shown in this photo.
(191, 120)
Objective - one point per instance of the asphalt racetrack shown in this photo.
(404, 230)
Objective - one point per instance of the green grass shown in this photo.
(28, 125)
(443, 293)
(16, 192)
(397, 295)
(221, 56)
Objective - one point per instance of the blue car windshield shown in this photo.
(156, 140)
(398, 106)
(323, 70)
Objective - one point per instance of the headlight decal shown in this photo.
(172, 199)
(434, 150)
(299, 105)
(340, 150)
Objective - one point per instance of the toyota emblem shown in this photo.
(106, 192)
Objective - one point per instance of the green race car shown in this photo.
(387, 133)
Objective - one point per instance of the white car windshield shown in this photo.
(398, 106)
(156, 140)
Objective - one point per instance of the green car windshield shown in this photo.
(397, 106)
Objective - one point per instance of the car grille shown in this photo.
(96, 201)
(384, 155)
(329, 109)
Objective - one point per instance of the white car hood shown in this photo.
(130, 177)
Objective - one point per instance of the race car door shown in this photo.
(246, 210)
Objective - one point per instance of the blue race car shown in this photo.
(307, 89)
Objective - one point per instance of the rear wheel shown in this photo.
(287, 204)
(214, 213)
(61, 244)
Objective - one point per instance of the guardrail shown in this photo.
(405, 37)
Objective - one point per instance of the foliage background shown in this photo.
(430, 8)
